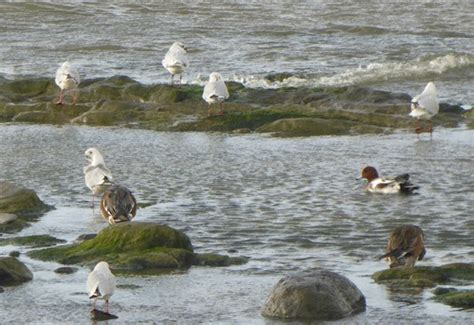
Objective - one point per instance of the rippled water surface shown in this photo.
(288, 204)
(394, 45)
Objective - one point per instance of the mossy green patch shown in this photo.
(32, 241)
(458, 299)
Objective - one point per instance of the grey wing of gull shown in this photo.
(92, 284)
(94, 175)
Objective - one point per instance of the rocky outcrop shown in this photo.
(319, 295)
(32, 241)
(13, 272)
(122, 101)
(18, 207)
(135, 247)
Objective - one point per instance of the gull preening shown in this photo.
(118, 205)
(176, 60)
(215, 92)
(67, 78)
(424, 106)
(101, 284)
(387, 185)
(97, 176)
(405, 246)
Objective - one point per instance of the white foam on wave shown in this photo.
(371, 73)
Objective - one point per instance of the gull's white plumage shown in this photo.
(67, 78)
(215, 91)
(97, 176)
(425, 105)
(101, 283)
(176, 60)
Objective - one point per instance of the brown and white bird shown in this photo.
(387, 185)
(101, 284)
(215, 92)
(118, 205)
(67, 78)
(405, 246)
(176, 60)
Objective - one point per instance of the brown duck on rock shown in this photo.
(405, 246)
(118, 204)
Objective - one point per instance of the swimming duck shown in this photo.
(405, 246)
(387, 185)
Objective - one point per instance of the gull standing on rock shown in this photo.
(215, 92)
(67, 78)
(424, 106)
(118, 205)
(97, 176)
(101, 284)
(176, 60)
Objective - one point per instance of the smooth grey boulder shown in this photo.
(317, 295)
(20, 200)
(13, 272)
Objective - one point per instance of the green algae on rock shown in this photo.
(122, 101)
(32, 241)
(460, 299)
(13, 272)
(426, 276)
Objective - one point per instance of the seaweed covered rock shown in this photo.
(21, 202)
(134, 246)
(122, 101)
(426, 276)
(319, 295)
(457, 298)
(13, 272)
(32, 241)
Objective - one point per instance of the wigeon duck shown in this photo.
(387, 185)
(101, 284)
(67, 78)
(215, 92)
(424, 106)
(405, 246)
(118, 205)
(97, 176)
(176, 60)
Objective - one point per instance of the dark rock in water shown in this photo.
(14, 254)
(98, 315)
(443, 290)
(319, 295)
(218, 260)
(66, 270)
(2, 290)
(22, 202)
(13, 272)
(278, 76)
(32, 241)
(85, 237)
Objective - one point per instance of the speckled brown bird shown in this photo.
(405, 246)
(118, 204)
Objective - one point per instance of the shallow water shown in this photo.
(393, 45)
(288, 204)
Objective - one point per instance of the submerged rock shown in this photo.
(319, 295)
(99, 315)
(66, 270)
(460, 299)
(32, 241)
(13, 272)
(14, 254)
(122, 101)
